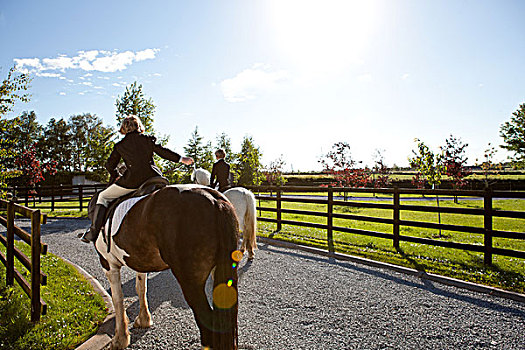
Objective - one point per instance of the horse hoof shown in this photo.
(120, 343)
(139, 323)
(250, 258)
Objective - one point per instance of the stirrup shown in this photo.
(84, 237)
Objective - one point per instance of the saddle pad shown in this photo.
(120, 212)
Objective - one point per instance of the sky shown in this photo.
(297, 76)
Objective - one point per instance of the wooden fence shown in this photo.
(32, 289)
(488, 212)
(77, 195)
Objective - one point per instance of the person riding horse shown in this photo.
(136, 149)
(220, 173)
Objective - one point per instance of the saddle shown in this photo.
(148, 187)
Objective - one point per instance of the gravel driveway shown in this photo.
(296, 300)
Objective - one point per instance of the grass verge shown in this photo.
(74, 311)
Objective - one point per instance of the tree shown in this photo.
(454, 161)
(100, 144)
(133, 102)
(91, 143)
(79, 126)
(224, 142)
(32, 169)
(488, 165)
(14, 88)
(513, 133)
(340, 164)
(18, 134)
(55, 144)
(428, 165)
(201, 153)
(274, 172)
(429, 168)
(381, 170)
(247, 169)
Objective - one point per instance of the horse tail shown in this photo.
(250, 223)
(225, 297)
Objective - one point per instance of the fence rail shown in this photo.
(80, 194)
(32, 264)
(488, 212)
(36, 196)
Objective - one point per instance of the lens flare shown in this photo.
(234, 265)
(236, 255)
(224, 296)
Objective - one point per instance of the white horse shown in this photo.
(244, 203)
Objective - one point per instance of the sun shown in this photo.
(322, 35)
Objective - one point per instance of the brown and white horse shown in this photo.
(189, 229)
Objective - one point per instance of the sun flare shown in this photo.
(322, 35)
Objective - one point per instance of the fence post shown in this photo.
(27, 197)
(395, 227)
(10, 249)
(35, 266)
(278, 203)
(487, 223)
(80, 196)
(53, 197)
(330, 220)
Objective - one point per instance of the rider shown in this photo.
(220, 173)
(136, 149)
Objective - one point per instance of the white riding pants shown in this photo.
(111, 193)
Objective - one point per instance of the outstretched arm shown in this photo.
(170, 155)
(166, 153)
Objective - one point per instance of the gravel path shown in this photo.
(296, 300)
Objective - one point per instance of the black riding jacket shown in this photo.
(220, 174)
(137, 151)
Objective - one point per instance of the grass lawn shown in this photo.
(505, 272)
(62, 209)
(74, 309)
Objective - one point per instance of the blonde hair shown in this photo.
(131, 123)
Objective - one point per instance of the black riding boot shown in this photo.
(91, 234)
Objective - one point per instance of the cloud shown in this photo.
(147, 54)
(93, 60)
(365, 78)
(49, 75)
(251, 82)
(63, 94)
